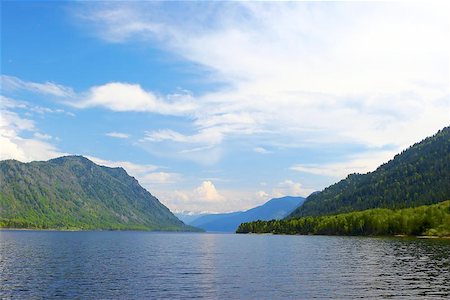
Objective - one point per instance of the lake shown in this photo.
(136, 265)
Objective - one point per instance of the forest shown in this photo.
(426, 220)
(419, 175)
(74, 193)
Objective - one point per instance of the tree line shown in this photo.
(430, 220)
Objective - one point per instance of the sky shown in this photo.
(220, 106)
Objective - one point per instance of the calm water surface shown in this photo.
(137, 265)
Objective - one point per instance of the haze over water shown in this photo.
(127, 265)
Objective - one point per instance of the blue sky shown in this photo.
(219, 106)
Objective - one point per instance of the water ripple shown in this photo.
(137, 265)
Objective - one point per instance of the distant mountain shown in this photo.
(419, 175)
(277, 208)
(188, 217)
(214, 222)
(72, 192)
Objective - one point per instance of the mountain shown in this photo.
(72, 192)
(215, 222)
(277, 208)
(419, 175)
(189, 217)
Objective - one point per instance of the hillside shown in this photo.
(277, 208)
(419, 175)
(429, 220)
(72, 192)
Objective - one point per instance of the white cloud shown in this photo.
(261, 150)
(120, 96)
(13, 128)
(118, 135)
(119, 25)
(11, 122)
(361, 163)
(49, 88)
(202, 147)
(42, 136)
(285, 188)
(149, 176)
(26, 150)
(291, 188)
(157, 178)
(134, 169)
(14, 146)
(292, 74)
(209, 136)
(366, 73)
(207, 198)
(262, 194)
(116, 96)
(207, 192)
(8, 103)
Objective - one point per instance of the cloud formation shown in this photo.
(14, 146)
(310, 71)
(119, 96)
(207, 192)
(361, 163)
(292, 75)
(11, 83)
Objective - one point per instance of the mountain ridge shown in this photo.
(419, 175)
(276, 208)
(74, 192)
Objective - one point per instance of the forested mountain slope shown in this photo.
(72, 192)
(417, 176)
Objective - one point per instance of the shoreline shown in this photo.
(368, 236)
(93, 229)
(424, 237)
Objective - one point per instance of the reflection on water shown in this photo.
(175, 265)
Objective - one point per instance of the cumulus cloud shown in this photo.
(14, 146)
(207, 198)
(116, 96)
(207, 192)
(16, 129)
(119, 96)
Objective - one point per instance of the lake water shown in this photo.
(137, 265)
